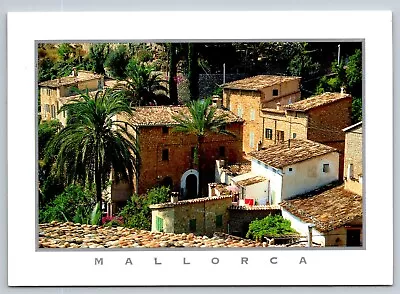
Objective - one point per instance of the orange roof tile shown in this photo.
(316, 101)
(258, 82)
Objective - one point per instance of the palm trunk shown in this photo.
(97, 180)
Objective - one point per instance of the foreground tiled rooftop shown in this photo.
(291, 152)
(70, 235)
(163, 115)
(190, 201)
(316, 101)
(70, 80)
(327, 208)
(258, 82)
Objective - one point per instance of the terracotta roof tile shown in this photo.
(255, 207)
(70, 80)
(251, 181)
(291, 152)
(327, 208)
(258, 82)
(316, 101)
(190, 201)
(163, 115)
(238, 168)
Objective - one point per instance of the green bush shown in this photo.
(74, 204)
(137, 214)
(271, 226)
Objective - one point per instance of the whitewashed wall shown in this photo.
(273, 175)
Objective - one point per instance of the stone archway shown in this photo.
(187, 183)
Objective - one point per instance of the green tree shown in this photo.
(94, 143)
(172, 73)
(117, 61)
(270, 226)
(143, 86)
(98, 55)
(193, 71)
(201, 120)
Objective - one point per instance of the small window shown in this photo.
(325, 168)
(280, 136)
(251, 142)
(222, 151)
(268, 134)
(252, 114)
(294, 135)
(165, 130)
(159, 224)
(275, 92)
(218, 221)
(290, 169)
(240, 112)
(165, 155)
(192, 225)
(193, 152)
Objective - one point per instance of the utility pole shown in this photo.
(338, 55)
(223, 73)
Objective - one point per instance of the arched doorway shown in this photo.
(190, 184)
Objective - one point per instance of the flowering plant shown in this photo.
(112, 220)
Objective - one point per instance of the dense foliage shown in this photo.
(137, 214)
(270, 226)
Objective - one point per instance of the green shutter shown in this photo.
(192, 225)
(159, 224)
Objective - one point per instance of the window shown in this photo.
(218, 221)
(325, 167)
(193, 152)
(294, 135)
(192, 225)
(159, 224)
(290, 169)
(252, 114)
(275, 92)
(280, 136)
(47, 108)
(268, 134)
(165, 130)
(165, 155)
(240, 112)
(350, 171)
(53, 111)
(222, 151)
(251, 142)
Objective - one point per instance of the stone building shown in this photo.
(247, 97)
(168, 157)
(198, 216)
(55, 93)
(353, 159)
(335, 213)
(319, 118)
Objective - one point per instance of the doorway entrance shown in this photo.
(353, 238)
(191, 186)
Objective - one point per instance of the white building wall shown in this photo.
(309, 175)
(302, 228)
(259, 192)
(273, 175)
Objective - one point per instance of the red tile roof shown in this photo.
(291, 152)
(327, 208)
(70, 80)
(258, 82)
(316, 101)
(188, 202)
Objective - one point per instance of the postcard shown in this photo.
(161, 147)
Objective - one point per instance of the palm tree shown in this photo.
(94, 143)
(201, 120)
(143, 86)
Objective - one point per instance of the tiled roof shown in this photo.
(255, 207)
(70, 80)
(251, 181)
(66, 99)
(327, 208)
(316, 101)
(291, 152)
(258, 82)
(163, 115)
(238, 168)
(190, 201)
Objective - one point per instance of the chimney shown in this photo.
(310, 228)
(74, 72)
(211, 189)
(174, 197)
(278, 105)
(342, 90)
(217, 101)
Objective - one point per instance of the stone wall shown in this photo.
(353, 155)
(239, 219)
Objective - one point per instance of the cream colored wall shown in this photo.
(308, 175)
(287, 91)
(289, 124)
(48, 96)
(168, 216)
(353, 155)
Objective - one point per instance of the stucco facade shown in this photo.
(353, 159)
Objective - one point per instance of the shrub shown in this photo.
(110, 221)
(271, 226)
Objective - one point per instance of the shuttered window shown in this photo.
(192, 225)
(159, 224)
(251, 143)
(218, 221)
